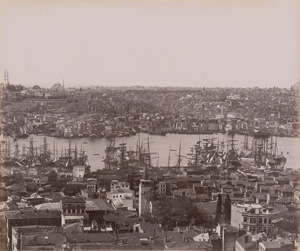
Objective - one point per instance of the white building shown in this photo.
(115, 185)
(78, 172)
(122, 198)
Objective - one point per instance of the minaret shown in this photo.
(7, 78)
(4, 76)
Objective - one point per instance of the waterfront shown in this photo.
(159, 146)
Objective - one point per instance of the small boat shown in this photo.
(96, 154)
(84, 142)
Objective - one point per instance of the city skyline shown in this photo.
(151, 43)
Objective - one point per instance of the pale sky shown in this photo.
(158, 43)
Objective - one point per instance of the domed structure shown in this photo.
(57, 87)
(36, 87)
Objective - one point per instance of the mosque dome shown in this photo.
(57, 87)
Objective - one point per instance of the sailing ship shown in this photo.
(119, 157)
(23, 132)
(264, 151)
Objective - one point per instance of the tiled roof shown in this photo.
(90, 237)
(287, 188)
(120, 190)
(35, 229)
(49, 206)
(32, 214)
(250, 245)
(44, 239)
(74, 228)
(72, 200)
(55, 196)
(98, 204)
(271, 244)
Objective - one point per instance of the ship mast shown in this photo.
(179, 156)
(17, 151)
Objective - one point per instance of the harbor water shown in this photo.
(159, 146)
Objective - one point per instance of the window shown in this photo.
(270, 220)
(265, 220)
(260, 220)
(254, 229)
(245, 219)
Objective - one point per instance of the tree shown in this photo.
(218, 209)
(227, 208)
(180, 210)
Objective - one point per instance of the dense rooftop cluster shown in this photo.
(102, 112)
(221, 200)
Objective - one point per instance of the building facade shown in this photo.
(72, 210)
(253, 218)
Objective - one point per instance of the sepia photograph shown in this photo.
(150, 125)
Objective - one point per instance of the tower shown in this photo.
(5, 80)
(145, 196)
